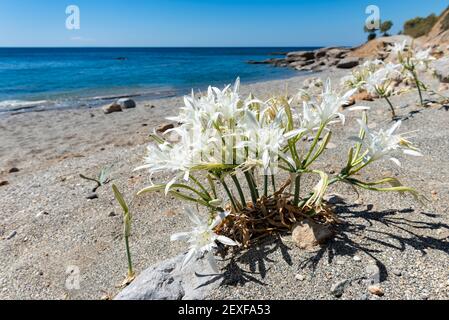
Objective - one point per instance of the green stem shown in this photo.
(128, 253)
(315, 142)
(200, 185)
(228, 192)
(239, 189)
(297, 189)
(273, 182)
(265, 185)
(251, 187)
(415, 77)
(393, 113)
(256, 189)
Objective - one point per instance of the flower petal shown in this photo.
(181, 236)
(227, 241)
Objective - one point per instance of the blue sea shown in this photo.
(49, 78)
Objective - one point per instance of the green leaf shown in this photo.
(321, 149)
(118, 196)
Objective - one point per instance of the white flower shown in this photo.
(196, 147)
(398, 49)
(330, 102)
(384, 143)
(202, 239)
(216, 105)
(422, 59)
(263, 138)
(379, 82)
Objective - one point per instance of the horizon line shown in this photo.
(165, 47)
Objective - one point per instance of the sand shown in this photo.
(48, 228)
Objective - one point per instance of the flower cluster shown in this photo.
(412, 60)
(224, 139)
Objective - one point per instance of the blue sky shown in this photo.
(200, 23)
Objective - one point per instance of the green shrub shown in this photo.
(419, 26)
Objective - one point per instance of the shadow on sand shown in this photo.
(355, 224)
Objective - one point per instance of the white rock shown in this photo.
(167, 281)
(300, 277)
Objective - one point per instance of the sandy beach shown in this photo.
(49, 227)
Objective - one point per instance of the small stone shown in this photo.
(338, 288)
(92, 196)
(307, 234)
(364, 296)
(376, 290)
(13, 170)
(112, 214)
(300, 277)
(363, 96)
(372, 274)
(112, 108)
(334, 199)
(42, 213)
(331, 145)
(356, 258)
(396, 272)
(3, 183)
(11, 235)
(126, 103)
(164, 127)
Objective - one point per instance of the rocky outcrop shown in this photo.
(168, 281)
(348, 63)
(312, 60)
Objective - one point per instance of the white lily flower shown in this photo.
(202, 239)
(327, 109)
(264, 139)
(422, 59)
(398, 48)
(384, 143)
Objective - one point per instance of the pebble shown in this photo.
(376, 290)
(340, 262)
(14, 170)
(112, 214)
(356, 258)
(4, 183)
(372, 274)
(42, 213)
(11, 235)
(396, 272)
(338, 288)
(92, 196)
(300, 277)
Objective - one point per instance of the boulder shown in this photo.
(441, 67)
(337, 53)
(308, 234)
(114, 107)
(348, 63)
(167, 281)
(126, 103)
(301, 55)
(301, 63)
(320, 53)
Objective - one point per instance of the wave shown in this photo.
(15, 105)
